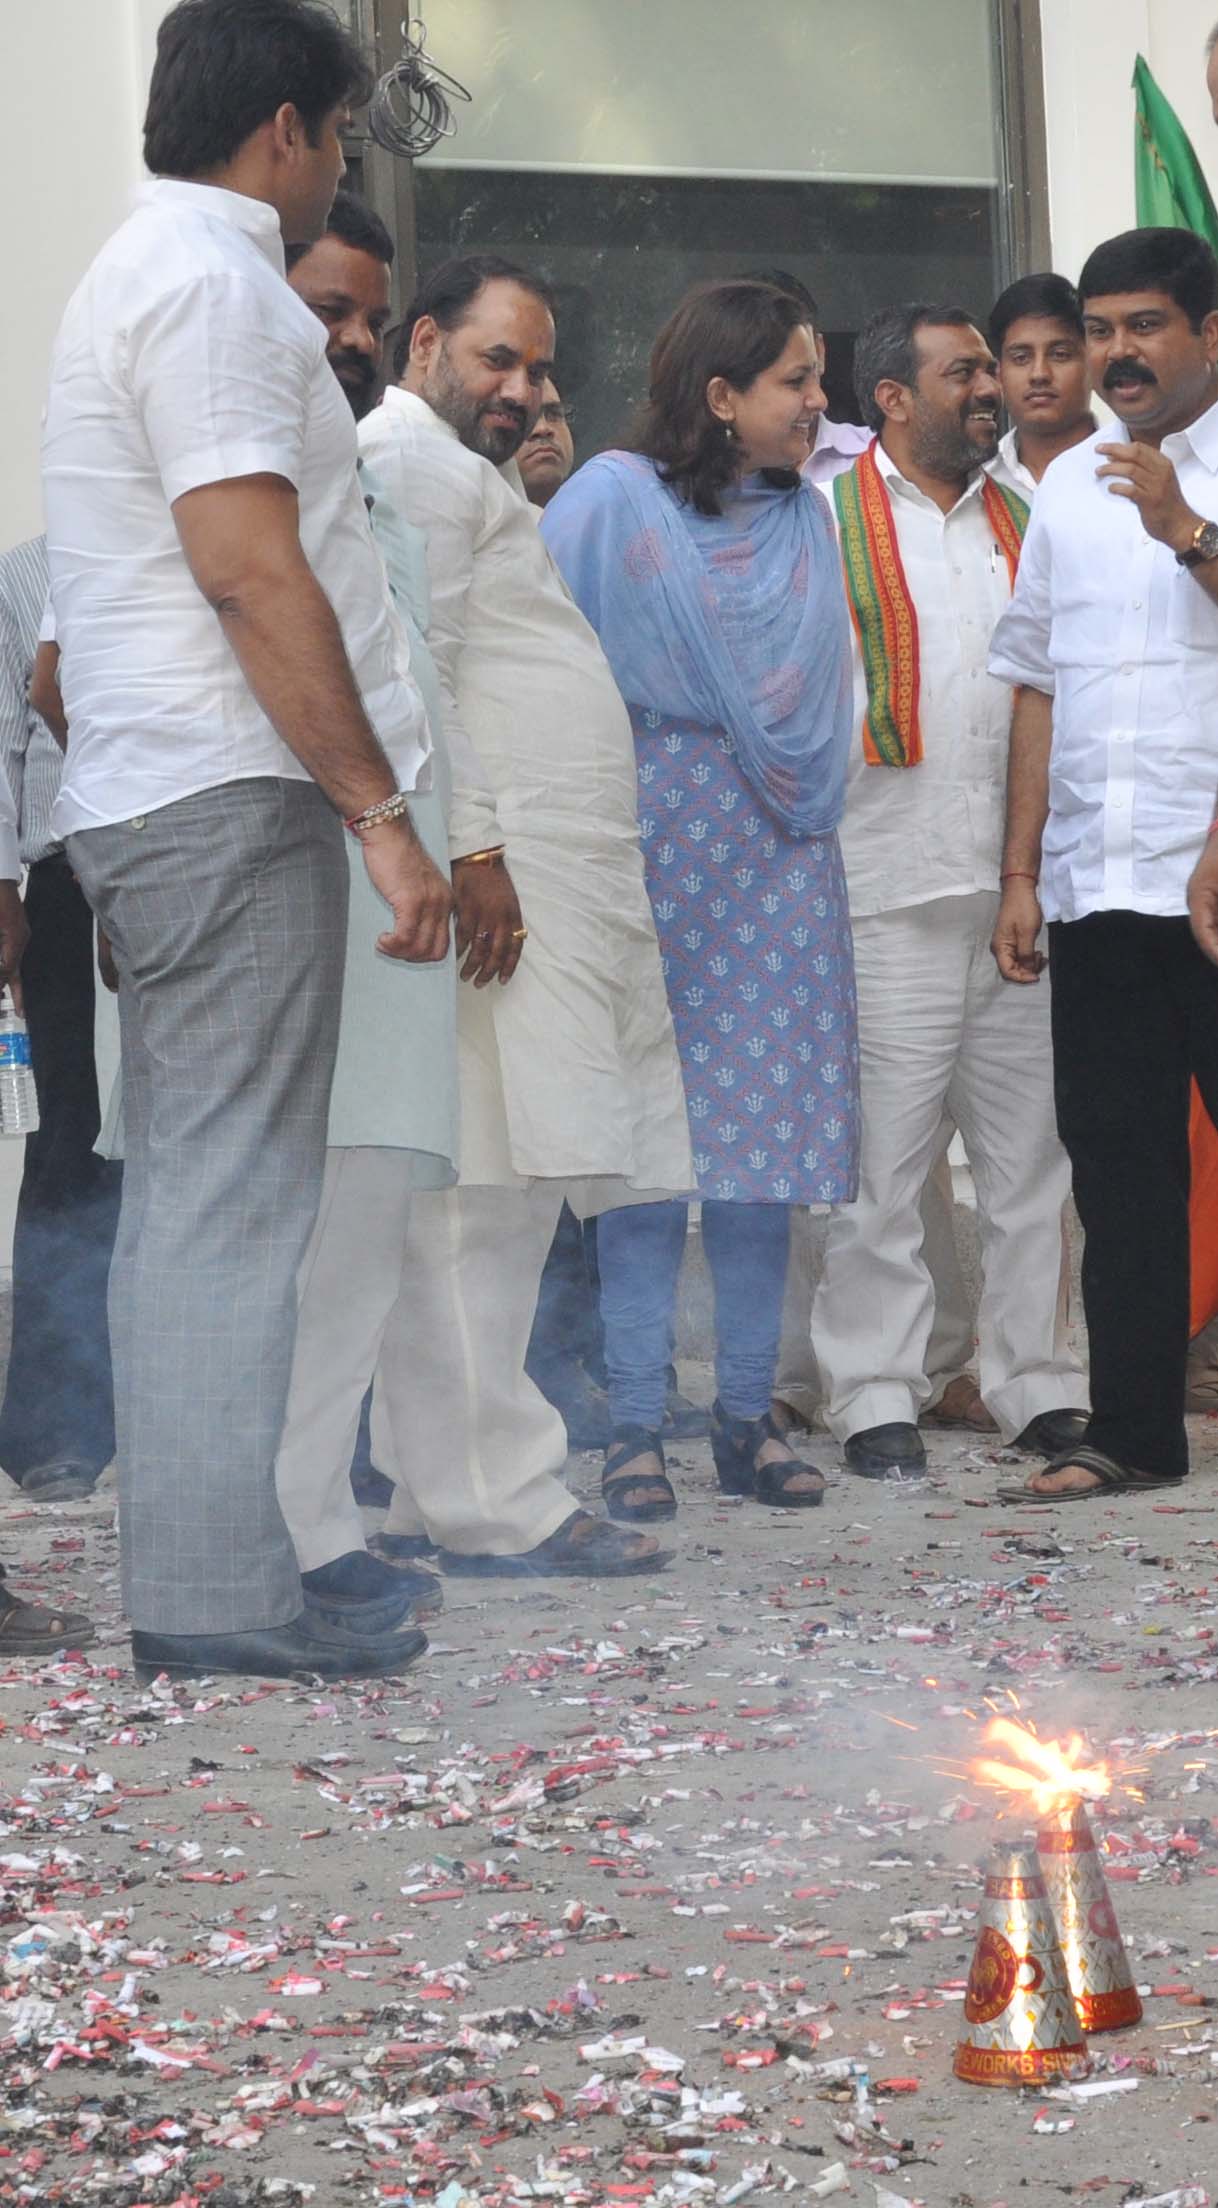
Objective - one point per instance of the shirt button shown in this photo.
(1137, 605)
(139, 820)
(1126, 672)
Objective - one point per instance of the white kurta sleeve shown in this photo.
(1019, 650)
(442, 501)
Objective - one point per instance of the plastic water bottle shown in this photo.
(18, 1097)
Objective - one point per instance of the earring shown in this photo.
(729, 433)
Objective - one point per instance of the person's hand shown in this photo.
(489, 925)
(414, 889)
(1015, 932)
(14, 935)
(105, 962)
(1203, 900)
(1145, 476)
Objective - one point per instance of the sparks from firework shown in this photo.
(1045, 1773)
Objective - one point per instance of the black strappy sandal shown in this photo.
(735, 1446)
(628, 1446)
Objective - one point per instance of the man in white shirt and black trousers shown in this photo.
(1111, 640)
(235, 684)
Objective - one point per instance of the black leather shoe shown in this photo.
(420, 1595)
(64, 1480)
(295, 1651)
(1052, 1433)
(893, 1452)
(362, 1595)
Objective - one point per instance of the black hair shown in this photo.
(447, 294)
(735, 330)
(1177, 262)
(781, 279)
(1047, 298)
(225, 67)
(886, 348)
(357, 224)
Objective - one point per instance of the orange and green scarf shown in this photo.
(882, 609)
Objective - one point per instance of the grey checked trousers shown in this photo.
(227, 912)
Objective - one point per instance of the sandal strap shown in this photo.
(1109, 1471)
(627, 1444)
(774, 1480)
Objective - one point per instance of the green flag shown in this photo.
(1171, 186)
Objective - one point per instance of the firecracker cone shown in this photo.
(1020, 2022)
(1096, 1963)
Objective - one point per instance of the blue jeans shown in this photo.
(640, 1250)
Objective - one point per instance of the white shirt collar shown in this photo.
(901, 484)
(408, 402)
(255, 216)
(1201, 437)
(840, 437)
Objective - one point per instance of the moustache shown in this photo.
(356, 366)
(513, 412)
(1126, 371)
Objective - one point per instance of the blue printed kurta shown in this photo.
(754, 935)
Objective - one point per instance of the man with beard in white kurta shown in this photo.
(569, 1080)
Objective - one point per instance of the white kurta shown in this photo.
(941, 1036)
(571, 1071)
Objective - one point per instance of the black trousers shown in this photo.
(58, 1400)
(567, 1330)
(1135, 1017)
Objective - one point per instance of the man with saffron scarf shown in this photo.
(930, 547)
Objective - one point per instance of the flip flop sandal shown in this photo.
(28, 1630)
(630, 1450)
(1114, 1479)
(606, 1553)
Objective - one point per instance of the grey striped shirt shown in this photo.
(29, 755)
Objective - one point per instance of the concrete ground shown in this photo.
(641, 1892)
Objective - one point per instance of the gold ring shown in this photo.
(519, 934)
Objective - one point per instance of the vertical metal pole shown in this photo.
(1023, 228)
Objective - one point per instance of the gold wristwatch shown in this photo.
(1203, 548)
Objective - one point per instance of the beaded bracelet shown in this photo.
(389, 808)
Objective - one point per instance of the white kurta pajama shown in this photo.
(949, 1351)
(569, 1079)
(393, 1132)
(939, 1030)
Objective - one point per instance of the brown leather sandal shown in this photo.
(961, 1405)
(26, 1629)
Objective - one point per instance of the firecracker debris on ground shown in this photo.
(646, 1892)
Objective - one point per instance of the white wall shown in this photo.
(74, 73)
(1090, 47)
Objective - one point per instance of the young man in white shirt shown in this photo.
(1111, 642)
(1036, 330)
(235, 684)
(931, 544)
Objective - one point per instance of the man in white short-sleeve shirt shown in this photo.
(1111, 645)
(235, 684)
